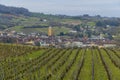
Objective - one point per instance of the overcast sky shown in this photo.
(69, 7)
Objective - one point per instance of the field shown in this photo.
(56, 30)
(18, 62)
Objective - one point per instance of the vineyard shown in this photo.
(18, 62)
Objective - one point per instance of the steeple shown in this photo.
(50, 31)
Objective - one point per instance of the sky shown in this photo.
(110, 8)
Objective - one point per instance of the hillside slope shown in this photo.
(22, 20)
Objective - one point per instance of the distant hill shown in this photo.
(14, 10)
(22, 20)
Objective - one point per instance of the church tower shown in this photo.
(50, 31)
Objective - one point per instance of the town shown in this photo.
(50, 40)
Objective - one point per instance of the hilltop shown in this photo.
(14, 10)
